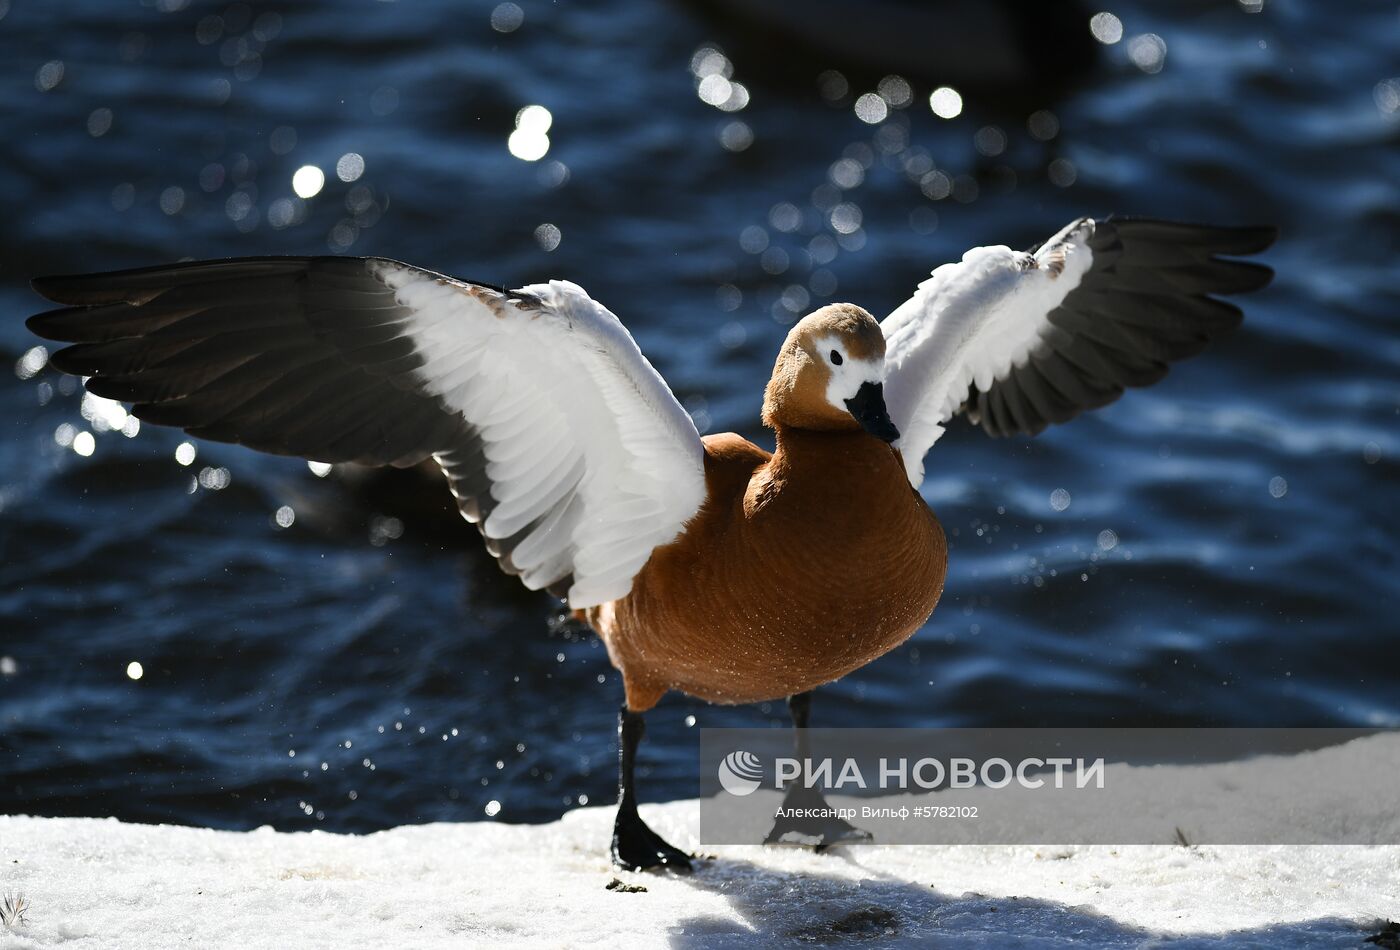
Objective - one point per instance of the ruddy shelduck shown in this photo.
(709, 566)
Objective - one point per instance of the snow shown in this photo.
(102, 883)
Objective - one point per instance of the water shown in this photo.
(1219, 549)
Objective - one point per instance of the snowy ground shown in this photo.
(100, 883)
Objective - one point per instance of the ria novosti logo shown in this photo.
(740, 773)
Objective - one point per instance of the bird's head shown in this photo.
(830, 375)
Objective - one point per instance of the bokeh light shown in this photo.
(548, 236)
(1148, 52)
(870, 108)
(507, 18)
(530, 141)
(307, 181)
(1106, 27)
(946, 102)
(350, 166)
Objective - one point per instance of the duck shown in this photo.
(708, 566)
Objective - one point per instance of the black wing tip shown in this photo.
(72, 289)
(1259, 277)
(117, 286)
(1239, 240)
(66, 361)
(39, 324)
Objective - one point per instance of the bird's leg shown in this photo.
(806, 817)
(634, 845)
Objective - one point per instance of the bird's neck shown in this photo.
(836, 461)
(801, 445)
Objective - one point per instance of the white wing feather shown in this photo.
(582, 437)
(968, 324)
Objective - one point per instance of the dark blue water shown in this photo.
(1227, 556)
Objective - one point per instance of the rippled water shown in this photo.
(1220, 549)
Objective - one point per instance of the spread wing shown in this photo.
(1020, 340)
(558, 438)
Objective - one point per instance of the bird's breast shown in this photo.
(819, 561)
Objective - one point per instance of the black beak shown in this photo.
(868, 407)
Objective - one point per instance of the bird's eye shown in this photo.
(836, 358)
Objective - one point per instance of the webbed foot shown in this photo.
(635, 847)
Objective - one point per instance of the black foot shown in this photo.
(807, 819)
(635, 847)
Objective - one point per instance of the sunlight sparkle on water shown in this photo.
(715, 86)
(350, 166)
(1059, 499)
(185, 453)
(871, 109)
(946, 102)
(34, 359)
(736, 136)
(529, 142)
(104, 414)
(307, 181)
(714, 89)
(1148, 52)
(1106, 27)
(134, 670)
(536, 120)
(896, 91)
(507, 18)
(548, 236)
(99, 122)
(84, 443)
